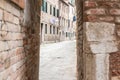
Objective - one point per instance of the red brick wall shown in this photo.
(20, 3)
(12, 54)
(105, 11)
(19, 46)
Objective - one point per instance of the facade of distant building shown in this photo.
(57, 20)
(67, 19)
(64, 19)
(72, 20)
(49, 21)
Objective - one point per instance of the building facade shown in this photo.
(64, 19)
(72, 20)
(67, 19)
(49, 21)
(57, 20)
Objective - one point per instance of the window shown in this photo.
(68, 23)
(66, 34)
(57, 30)
(41, 26)
(57, 12)
(46, 7)
(50, 29)
(62, 32)
(53, 11)
(50, 9)
(45, 28)
(53, 29)
(42, 5)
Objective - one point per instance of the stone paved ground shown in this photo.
(58, 61)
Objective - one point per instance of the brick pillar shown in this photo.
(96, 38)
(99, 41)
(32, 39)
(79, 35)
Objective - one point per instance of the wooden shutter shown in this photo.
(20, 3)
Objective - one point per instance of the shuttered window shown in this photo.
(44, 6)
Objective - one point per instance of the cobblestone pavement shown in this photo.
(58, 61)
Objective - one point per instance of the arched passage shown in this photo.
(97, 36)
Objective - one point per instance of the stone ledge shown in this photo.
(116, 78)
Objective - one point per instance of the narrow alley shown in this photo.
(58, 61)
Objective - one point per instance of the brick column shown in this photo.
(96, 37)
(100, 40)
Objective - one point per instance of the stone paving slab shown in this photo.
(58, 61)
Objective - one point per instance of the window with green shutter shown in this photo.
(42, 5)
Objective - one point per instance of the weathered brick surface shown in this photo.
(105, 11)
(79, 35)
(19, 46)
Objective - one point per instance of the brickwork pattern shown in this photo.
(79, 35)
(19, 46)
(105, 11)
(12, 54)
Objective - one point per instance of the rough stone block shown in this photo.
(117, 19)
(13, 27)
(95, 11)
(3, 56)
(100, 31)
(8, 16)
(101, 66)
(15, 44)
(3, 46)
(16, 11)
(107, 18)
(4, 27)
(103, 47)
(16, 20)
(90, 4)
(115, 11)
(116, 78)
(12, 9)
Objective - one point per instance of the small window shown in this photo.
(45, 28)
(50, 29)
(53, 11)
(50, 9)
(66, 34)
(46, 7)
(54, 30)
(43, 5)
(57, 12)
(57, 30)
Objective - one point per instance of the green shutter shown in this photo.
(42, 5)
